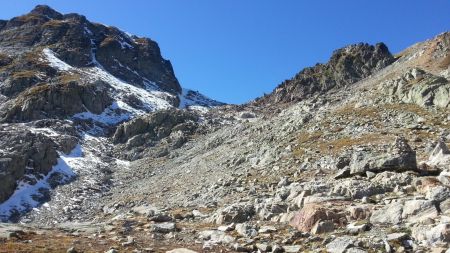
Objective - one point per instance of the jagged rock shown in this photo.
(25, 149)
(440, 156)
(346, 66)
(156, 125)
(438, 193)
(343, 173)
(75, 39)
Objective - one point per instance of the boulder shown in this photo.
(359, 212)
(432, 235)
(418, 210)
(389, 214)
(164, 228)
(236, 213)
(305, 219)
(322, 227)
(399, 158)
(246, 230)
(340, 245)
(216, 237)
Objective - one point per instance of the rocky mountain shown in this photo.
(346, 66)
(347, 156)
(63, 78)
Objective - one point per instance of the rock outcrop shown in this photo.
(346, 66)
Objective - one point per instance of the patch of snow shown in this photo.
(45, 131)
(150, 97)
(87, 31)
(151, 100)
(124, 44)
(55, 62)
(110, 116)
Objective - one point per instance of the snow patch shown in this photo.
(55, 62)
(110, 116)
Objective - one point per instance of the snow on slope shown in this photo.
(24, 197)
(150, 98)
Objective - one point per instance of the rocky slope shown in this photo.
(63, 81)
(348, 156)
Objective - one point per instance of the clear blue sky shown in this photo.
(235, 50)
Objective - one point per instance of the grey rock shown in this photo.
(246, 230)
(165, 228)
(389, 214)
(322, 227)
(236, 213)
(340, 245)
(292, 248)
(400, 158)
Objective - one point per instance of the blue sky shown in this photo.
(235, 50)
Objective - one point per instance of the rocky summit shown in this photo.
(102, 150)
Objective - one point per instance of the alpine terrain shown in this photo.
(102, 150)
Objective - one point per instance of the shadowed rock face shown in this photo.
(81, 43)
(346, 66)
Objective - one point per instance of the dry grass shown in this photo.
(445, 63)
(24, 74)
(68, 77)
(54, 23)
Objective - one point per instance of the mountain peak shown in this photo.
(347, 65)
(46, 10)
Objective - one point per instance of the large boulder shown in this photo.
(399, 158)
(432, 235)
(236, 213)
(389, 214)
(305, 219)
(156, 125)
